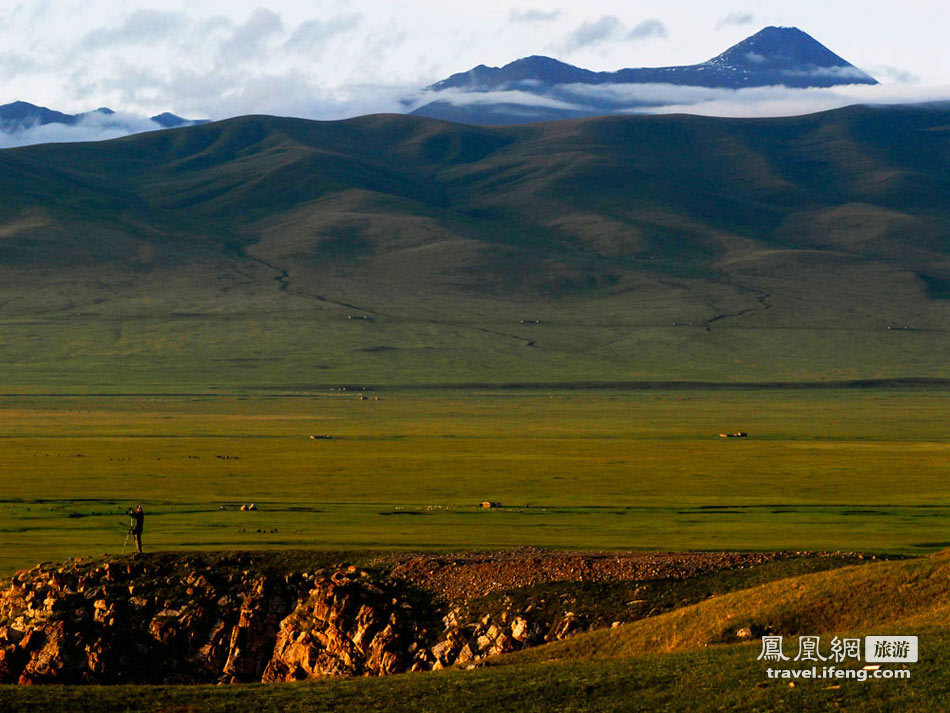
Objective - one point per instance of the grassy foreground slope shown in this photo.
(907, 596)
(399, 250)
(593, 673)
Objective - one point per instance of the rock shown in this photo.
(465, 655)
(9, 635)
(213, 654)
(12, 660)
(46, 655)
(519, 628)
(347, 627)
(252, 639)
(503, 644)
(444, 652)
(568, 627)
(451, 619)
(527, 633)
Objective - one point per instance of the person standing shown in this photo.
(136, 525)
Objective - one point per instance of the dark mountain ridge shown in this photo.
(774, 56)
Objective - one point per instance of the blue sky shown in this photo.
(208, 58)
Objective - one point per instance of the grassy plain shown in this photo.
(850, 469)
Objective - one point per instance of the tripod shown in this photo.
(126, 540)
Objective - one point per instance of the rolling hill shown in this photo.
(262, 251)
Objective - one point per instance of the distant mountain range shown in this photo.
(541, 88)
(528, 90)
(20, 116)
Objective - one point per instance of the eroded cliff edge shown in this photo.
(242, 617)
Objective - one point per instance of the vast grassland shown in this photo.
(852, 469)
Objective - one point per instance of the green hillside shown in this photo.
(909, 595)
(269, 252)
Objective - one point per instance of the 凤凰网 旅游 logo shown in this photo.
(890, 649)
(824, 655)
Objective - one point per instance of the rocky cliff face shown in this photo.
(151, 620)
(138, 621)
(165, 618)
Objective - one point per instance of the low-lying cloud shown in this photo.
(565, 99)
(92, 127)
(893, 74)
(749, 102)
(511, 97)
(782, 101)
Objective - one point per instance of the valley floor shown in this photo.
(821, 469)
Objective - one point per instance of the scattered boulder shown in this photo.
(568, 626)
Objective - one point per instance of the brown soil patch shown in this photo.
(465, 576)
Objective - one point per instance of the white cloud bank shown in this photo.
(92, 127)
(754, 102)
(750, 102)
